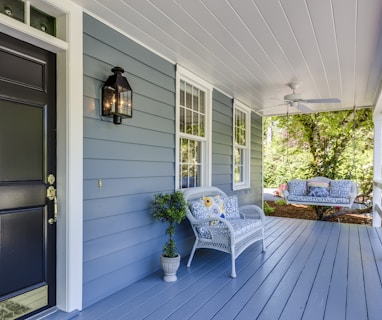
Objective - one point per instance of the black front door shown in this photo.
(27, 170)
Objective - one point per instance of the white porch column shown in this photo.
(69, 158)
(377, 170)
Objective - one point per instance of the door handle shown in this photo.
(51, 195)
(55, 212)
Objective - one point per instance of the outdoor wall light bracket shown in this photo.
(117, 97)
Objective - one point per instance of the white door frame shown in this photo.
(69, 49)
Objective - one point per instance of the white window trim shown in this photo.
(237, 105)
(184, 74)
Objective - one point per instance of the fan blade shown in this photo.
(328, 100)
(303, 108)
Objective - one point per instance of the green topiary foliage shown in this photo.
(170, 208)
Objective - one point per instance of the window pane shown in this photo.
(240, 128)
(190, 163)
(202, 126)
(183, 176)
(196, 99)
(183, 150)
(189, 96)
(181, 120)
(182, 93)
(238, 157)
(196, 130)
(239, 164)
(202, 99)
(236, 126)
(194, 113)
(196, 178)
(188, 121)
(238, 175)
(241, 168)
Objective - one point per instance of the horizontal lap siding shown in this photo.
(222, 141)
(122, 242)
(255, 193)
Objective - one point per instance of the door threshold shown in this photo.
(55, 314)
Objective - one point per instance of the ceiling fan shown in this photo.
(297, 97)
(296, 100)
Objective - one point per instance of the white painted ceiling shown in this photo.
(251, 49)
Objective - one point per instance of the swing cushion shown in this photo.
(318, 189)
(340, 188)
(340, 193)
(329, 201)
(297, 187)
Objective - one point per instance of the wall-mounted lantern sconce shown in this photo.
(117, 97)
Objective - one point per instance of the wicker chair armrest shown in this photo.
(252, 212)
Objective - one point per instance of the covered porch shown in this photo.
(247, 51)
(311, 270)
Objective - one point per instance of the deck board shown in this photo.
(371, 260)
(283, 274)
(298, 298)
(316, 301)
(356, 301)
(247, 284)
(284, 289)
(336, 303)
(311, 270)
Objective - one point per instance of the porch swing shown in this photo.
(320, 191)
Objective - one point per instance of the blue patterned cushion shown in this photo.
(199, 211)
(231, 206)
(318, 189)
(340, 188)
(308, 199)
(297, 187)
(240, 227)
(318, 192)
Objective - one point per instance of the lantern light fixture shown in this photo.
(117, 97)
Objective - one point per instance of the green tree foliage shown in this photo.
(337, 145)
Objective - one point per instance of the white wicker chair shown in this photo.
(230, 236)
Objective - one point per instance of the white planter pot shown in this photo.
(170, 267)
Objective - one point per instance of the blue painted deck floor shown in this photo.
(311, 270)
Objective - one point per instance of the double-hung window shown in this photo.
(193, 123)
(241, 146)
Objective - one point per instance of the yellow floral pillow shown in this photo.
(215, 207)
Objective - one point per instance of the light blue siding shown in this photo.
(135, 160)
(122, 242)
(256, 191)
(222, 113)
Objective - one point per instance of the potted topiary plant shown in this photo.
(170, 208)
